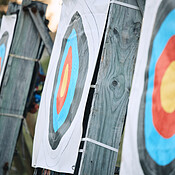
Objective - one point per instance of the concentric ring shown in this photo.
(69, 80)
(156, 139)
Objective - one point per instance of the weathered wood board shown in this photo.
(16, 83)
(139, 3)
(42, 28)
(13, 8)
(112, 90)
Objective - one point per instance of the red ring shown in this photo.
(164, 122)
(61, 100)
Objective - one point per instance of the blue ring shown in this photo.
(58, 119)
(160, 149)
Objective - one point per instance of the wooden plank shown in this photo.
(8, 139)
(127, 2)
(16, 84)
(141, 4)
(13, 8)
(112, 90)
(138, 3)
(42, 28)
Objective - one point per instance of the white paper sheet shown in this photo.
(132, 163)
(82, 23)
(6, 35)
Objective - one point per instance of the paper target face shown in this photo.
(69, 79)
(3, 46)
(156, 126)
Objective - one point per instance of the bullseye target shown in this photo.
(3, 45)
(69, 80)
(156, 126)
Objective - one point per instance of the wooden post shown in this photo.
(13, 8)
(112, 90)
(141, 4)
(16, 82)
(42, 29)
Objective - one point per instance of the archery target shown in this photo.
(58, 129)
(156, 126)
(3, 45)
(6, 36)
(69, 79)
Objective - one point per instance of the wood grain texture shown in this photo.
(16, 83)
(128, 2)
(13, 8)
(111, 95)
(8, 137)
(42, 29)
(141, 4)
